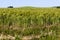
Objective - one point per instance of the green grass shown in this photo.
(30, 21)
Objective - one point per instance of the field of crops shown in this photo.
(30, 23)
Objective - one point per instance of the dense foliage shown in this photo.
(30, 21)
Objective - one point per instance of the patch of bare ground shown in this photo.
(30, 37)
(2, 36)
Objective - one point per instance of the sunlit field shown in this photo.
(29, 23)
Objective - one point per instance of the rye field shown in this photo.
(29, 23)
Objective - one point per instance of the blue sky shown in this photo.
(35, 3)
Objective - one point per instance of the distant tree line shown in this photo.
(56, 7)
(10, 6)
(53, 6)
